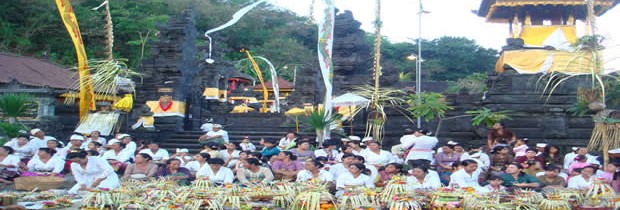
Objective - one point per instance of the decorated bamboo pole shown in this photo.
(375, 130)
(109, 32)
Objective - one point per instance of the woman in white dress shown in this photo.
(91, 172)
(313, 169)
(355, 178)
(375, 156)
(23, 149)
(199, 162)
(45, 163)
(8, 165)
(421, 179)
(583, 181)
(329, 150)
(117, 156)
(217, 174)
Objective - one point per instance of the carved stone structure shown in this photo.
(172, 67)
(351, 54)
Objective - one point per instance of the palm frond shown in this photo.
(15, 104)
(109, 76)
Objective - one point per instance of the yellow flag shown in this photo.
(87, 95)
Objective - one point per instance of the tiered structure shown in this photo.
(172, 71)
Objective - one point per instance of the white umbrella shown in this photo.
(350, 99)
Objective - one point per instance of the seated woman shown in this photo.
(287, 166)
(375, 156)
(45, 163)
(253, 173)
(230, 155)
(23, 149)
(302, 151)
(117, 156)
(96, 146)
(243, 155)
(174, 171)
(142, 168)
(8, 165)
(212, 149)
(91, 172)
(421, 179)
(355, 178)
(313, 170)
(199, 162)
(217, 174)
(389, 171)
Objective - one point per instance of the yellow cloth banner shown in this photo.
(87, 95)
(177, 108)
(544, 61)
(537, 35)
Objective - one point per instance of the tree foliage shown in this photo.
(443, 59)
(430, 106)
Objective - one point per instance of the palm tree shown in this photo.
(319, 121)
(13, 105)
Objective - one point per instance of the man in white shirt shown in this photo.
(130, 146)
(286, 142)
(477, 154)
(94, 136)
(156, 153)
(208, 126)
(342, 168)
(217, 135)
(75, 142)
(583, 181)
(570, 157)
(468, 176)
(420, 145)
(39, 139)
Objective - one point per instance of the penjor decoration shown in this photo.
(324, 49)
(236, 17)
(87, 95)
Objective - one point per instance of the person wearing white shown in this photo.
(216, 133)
(329, 151)
(199, 165)
(246, 145)
(9, 161)
(46, 162)
(313, 170)
(342, 168)
(468, 176)
(420, 145)
(583, 181)
(208, 126)
(484, 161)
(354, 178)
(217, 174)
(374, 155)
(22, 148)
(39, 139)
(94, 136)
(75, 143)
(422, 179)
(130, 146)
(181, 154)
(156, 153)
(116, 154)
(91, 172)
(286, 141)
(570, 157)
(230, 155)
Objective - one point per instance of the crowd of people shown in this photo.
(504, 163)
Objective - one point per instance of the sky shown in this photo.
(445, 18)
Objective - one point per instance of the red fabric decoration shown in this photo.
(165, 108)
